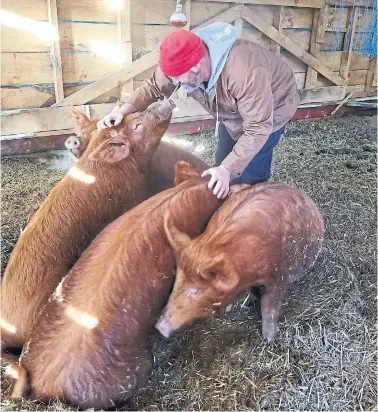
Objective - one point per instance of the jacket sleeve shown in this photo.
(151, 90)
(254, 99)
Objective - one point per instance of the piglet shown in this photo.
(161, 168)
(91, 345)
(265, 235)
(109, 178)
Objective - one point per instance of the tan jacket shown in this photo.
(255, 95)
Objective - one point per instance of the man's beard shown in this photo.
(188, 88)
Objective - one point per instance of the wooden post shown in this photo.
(277, 23)
(55, 51)
(181, 94)
(239, 27)
(124, 38)
(317, 38)
(372, 70)
(348, 43)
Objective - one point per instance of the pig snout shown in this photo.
(163, 110)
(73, 144)
(164, 326)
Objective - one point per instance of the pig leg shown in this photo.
(270, 306)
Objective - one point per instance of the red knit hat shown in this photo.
(180, 51)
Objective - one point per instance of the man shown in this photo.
(250, 91)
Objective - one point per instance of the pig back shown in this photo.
(162, 166)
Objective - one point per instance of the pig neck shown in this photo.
(65, 211)
(133, 286)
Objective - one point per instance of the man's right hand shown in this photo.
(112, 119)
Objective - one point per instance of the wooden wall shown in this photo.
(89, 48)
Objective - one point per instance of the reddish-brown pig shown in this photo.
(91, 346)
(161, 169)
(109, 179)
(265, 235)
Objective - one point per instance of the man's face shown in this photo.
(191, 80)
(195, 76)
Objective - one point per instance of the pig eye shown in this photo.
(207, 274)
(137, 127)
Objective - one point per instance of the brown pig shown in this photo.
(108, 179)
(91, 346)
(161, 168)
(265, 235)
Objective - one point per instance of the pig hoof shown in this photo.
(270, 332)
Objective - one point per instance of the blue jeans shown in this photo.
(259, 168)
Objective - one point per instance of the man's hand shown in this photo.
(112, 119)
(220, 177)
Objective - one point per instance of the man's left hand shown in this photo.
(220, 178)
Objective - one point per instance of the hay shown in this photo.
(325, 356)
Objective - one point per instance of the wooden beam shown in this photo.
(372, 71)
(278, 16)
(55, 51)
(317, 38)
(351, 3)
(124, 39)
(239, 27)
(227, 16)
(115, 79)
(138, 66)
(187, 11)
(291, 46)
(322, 94)
(59, 118)
(314, 4)
(181, 93)
(348, 43)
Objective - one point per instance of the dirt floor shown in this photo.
(325, 357)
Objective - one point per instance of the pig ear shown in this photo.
(184, 171)
(221, 280)
(79, 121)
(176, 238)
(112, 150)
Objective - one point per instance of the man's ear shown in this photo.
(112, 150)
(184, 171)
(80, 121)
(176, 238)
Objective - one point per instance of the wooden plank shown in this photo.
(314, 50)
(278, 19)
(86, 67)
(292, 47)
(115, 79)
(348, 44)
(256, 36)
(17, 41)
(202, 11)
(124, 38)
(147, 38)
(80, 37)
(25, 68)
(322, 94)
(239, 27)
(188, 13)
(357, 77)
(371, 75)
(227, 16)
(317, 38)
(88, 10)
(26, 97)
(300, 80)
(55, 51)
(110, 96)
(317, 4)
(36, 9)
(59, 118)
(351, 3)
